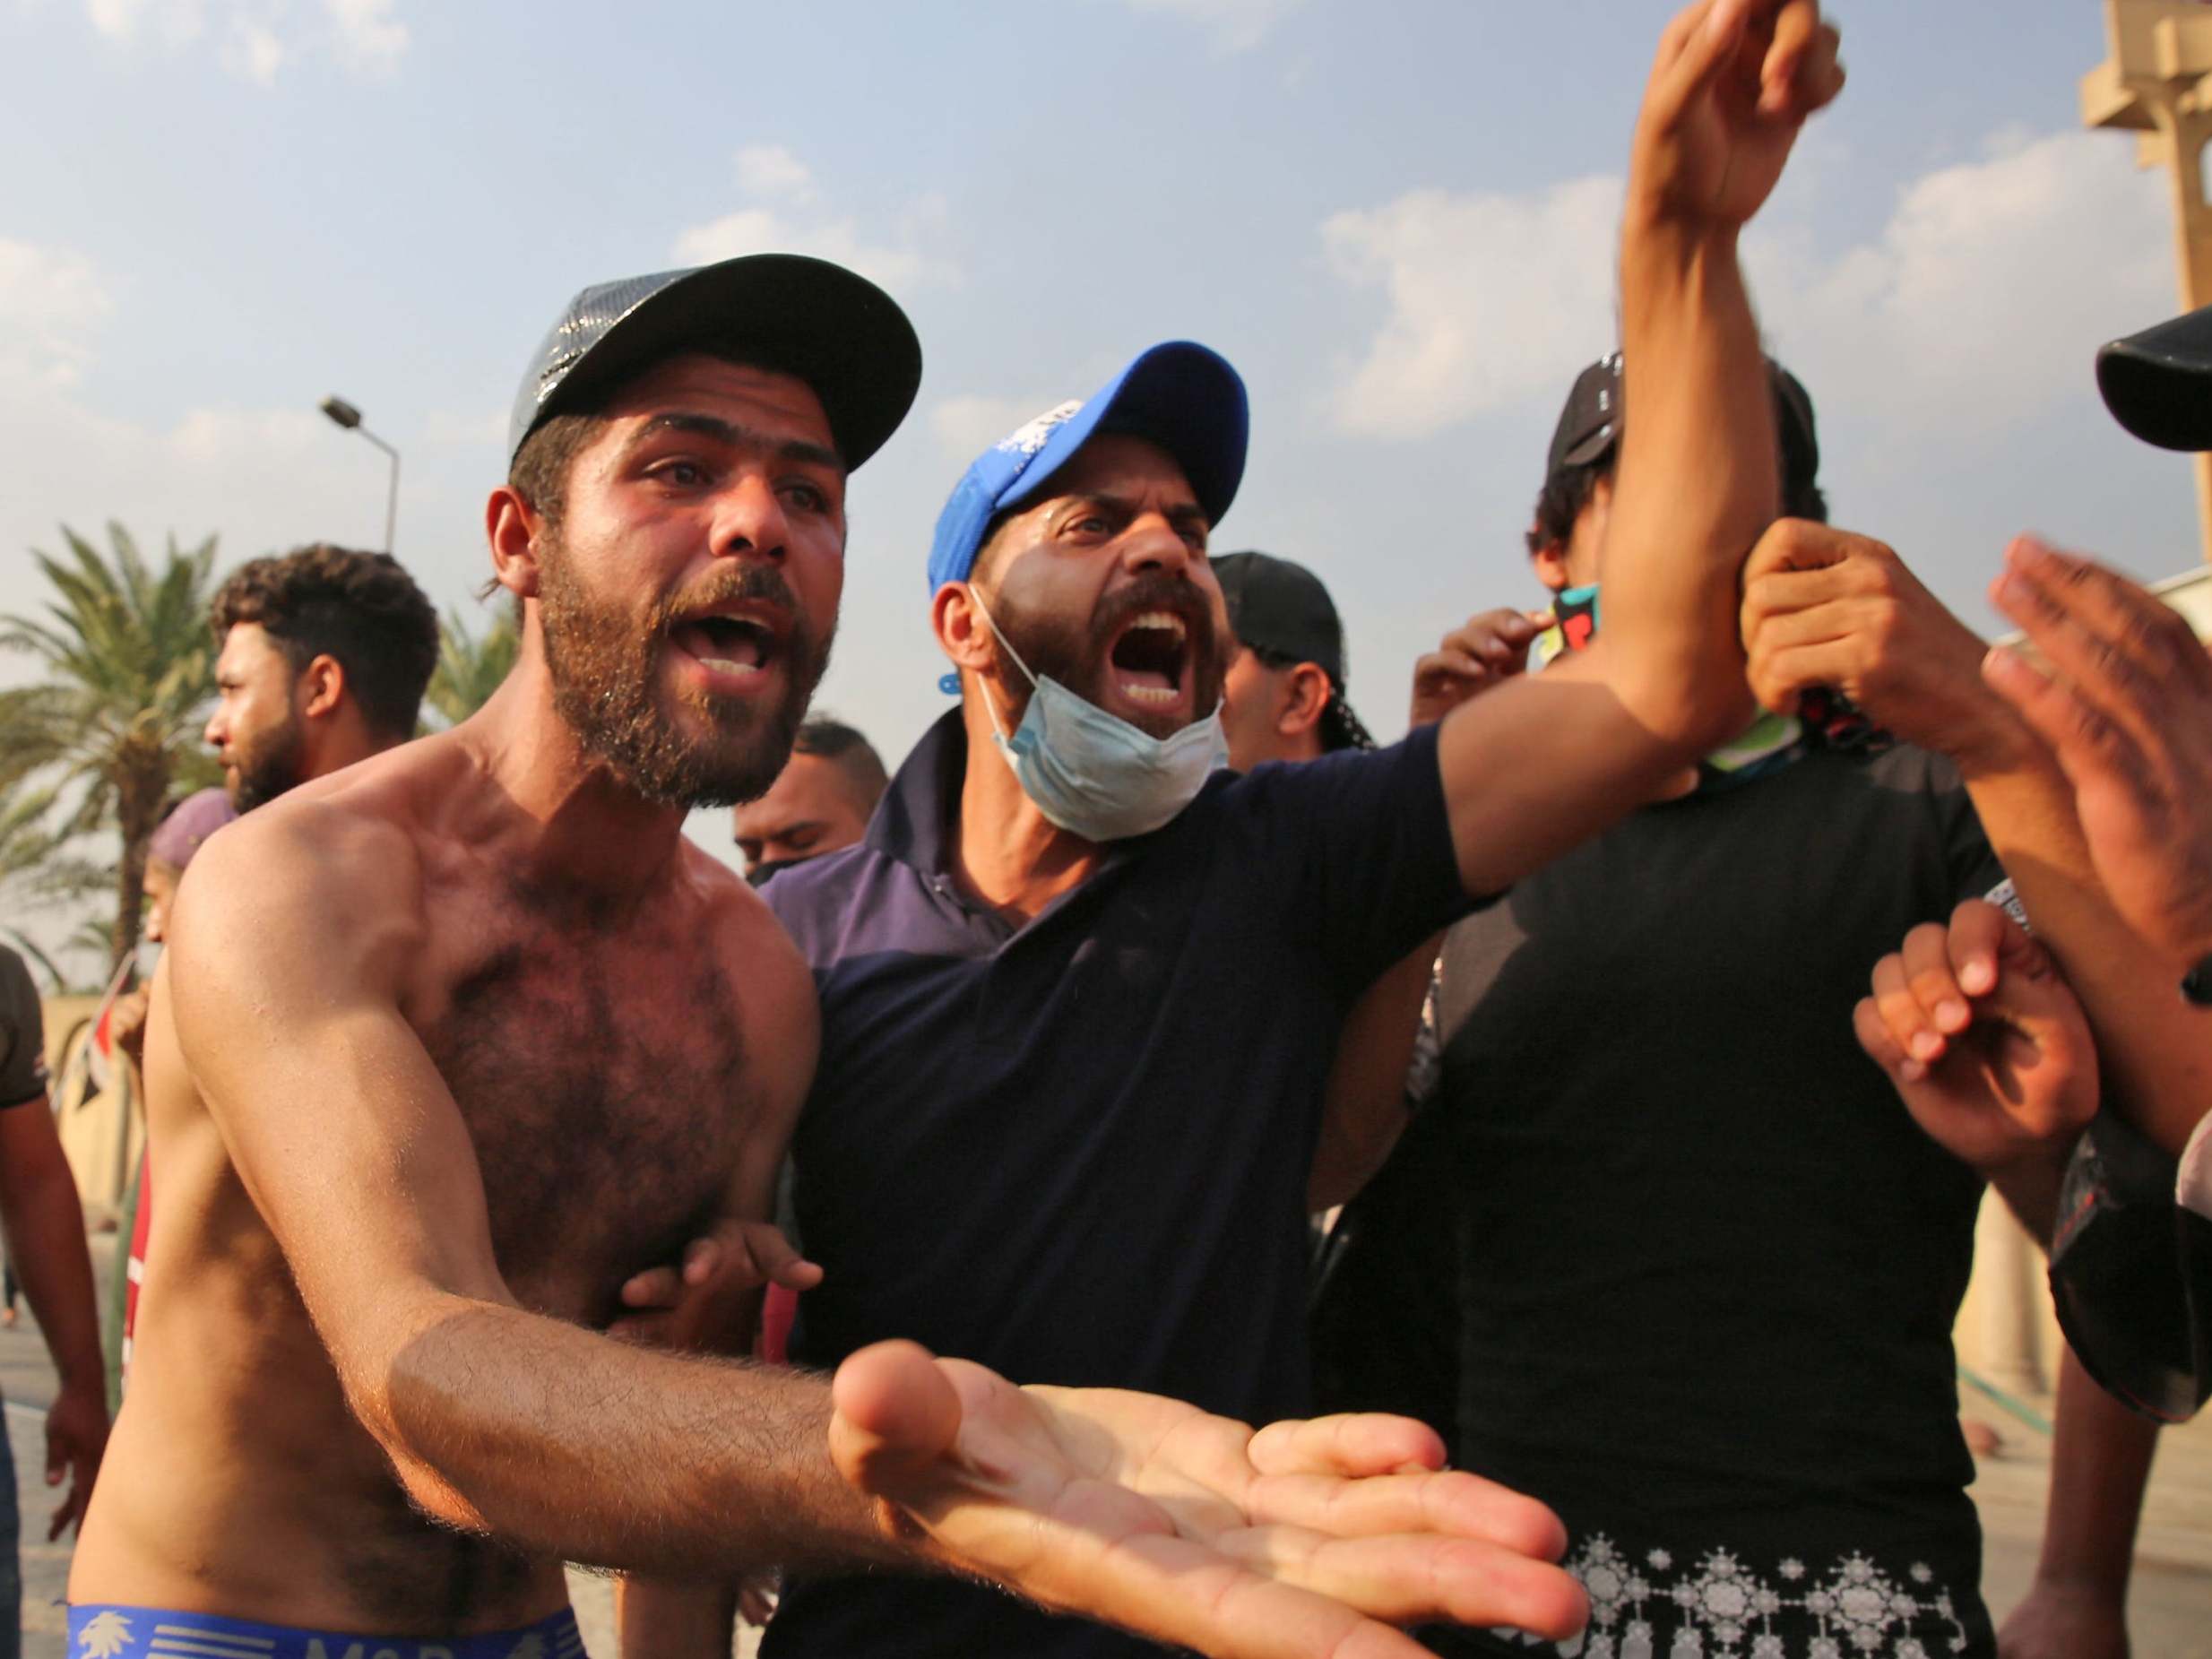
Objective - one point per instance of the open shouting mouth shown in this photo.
(1148, 666)
(735, 647)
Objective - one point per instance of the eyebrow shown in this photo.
(1182, 513)
(735, 436)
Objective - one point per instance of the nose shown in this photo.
(749, 521)
(1153, 544)
(215, 731)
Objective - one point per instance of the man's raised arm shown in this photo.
(1539, 765)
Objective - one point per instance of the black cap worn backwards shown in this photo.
(1282, 610)
(818, 322)
(1590, 424)
(2158, 383)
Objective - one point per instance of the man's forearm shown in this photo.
(46, 1229)
(2154, 1050)
(2100, 1463)
(568, 1443)
(1697, 482)
(1364, 1108)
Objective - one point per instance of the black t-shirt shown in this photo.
(23, 1035)
(1077, 1151)
(1700, 1265)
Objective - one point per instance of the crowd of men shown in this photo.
(1646, 1024)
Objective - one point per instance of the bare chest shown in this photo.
(605, 1085)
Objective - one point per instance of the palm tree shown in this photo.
(471, 668)
(130, 661)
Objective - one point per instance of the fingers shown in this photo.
(759, 1251)
(1696, 46)
(896, 1415)
(1806, 545)
(1414, 1580)
(1911, 1024)
(1455, 1505)
(1980, 935)
(656, 1287)
(2124, 652)
(2087, 745)
(1349, 1443)
(1803, 71)
(1777, 678)
(1883, 1048)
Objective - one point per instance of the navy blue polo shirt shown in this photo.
(1077, 1151)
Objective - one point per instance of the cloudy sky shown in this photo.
(1396, 217)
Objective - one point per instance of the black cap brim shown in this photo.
(816, 321)
(2158, 383)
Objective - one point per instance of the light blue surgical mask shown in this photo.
(1093, 773)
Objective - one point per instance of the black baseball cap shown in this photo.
(1282, 608)
(1590, 424)
(2158, 383)
(839, 332)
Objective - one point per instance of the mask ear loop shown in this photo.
(991, 703)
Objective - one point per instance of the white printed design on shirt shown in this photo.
(1722, 1610)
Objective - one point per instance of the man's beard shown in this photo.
(271, 765)
(605, 664)
(1077, 656)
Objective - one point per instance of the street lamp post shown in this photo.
(350, 417)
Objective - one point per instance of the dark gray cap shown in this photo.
(1283, 609)
(839, 332)
(2158, 383)
(1590, 424)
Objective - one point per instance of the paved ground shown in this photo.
(2170, 1611)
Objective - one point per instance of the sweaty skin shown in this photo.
(574, 1048)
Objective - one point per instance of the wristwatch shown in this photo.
(2197, 984)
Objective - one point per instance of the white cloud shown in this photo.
(1234, 25)
(261, 36)
(254, 51)
(915, 254)
(1492, 297)
(771, 171)
(1975, 308)
(1981, 301)
(51, 303)
(370, 37)
(176, 21)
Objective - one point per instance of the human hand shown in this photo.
(710, 1302)
(2127, 708)
(1304, 1540)
(76, 1435)
(1983, 1040)
(1732, 83)
(1473, 658)
(1822, 606)
(2058, 1621)
(127, 1020)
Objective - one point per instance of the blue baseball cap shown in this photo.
(1181, 396)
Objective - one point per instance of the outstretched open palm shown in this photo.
(1302, 1541)
(1734, 83)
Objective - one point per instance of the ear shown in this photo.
(962, 633)
(1304, 694)
(1550, 563)
(512, 527)
(320, 688)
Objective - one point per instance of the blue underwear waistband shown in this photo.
(103, 1632)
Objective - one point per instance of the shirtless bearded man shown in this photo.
(454, 1042)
